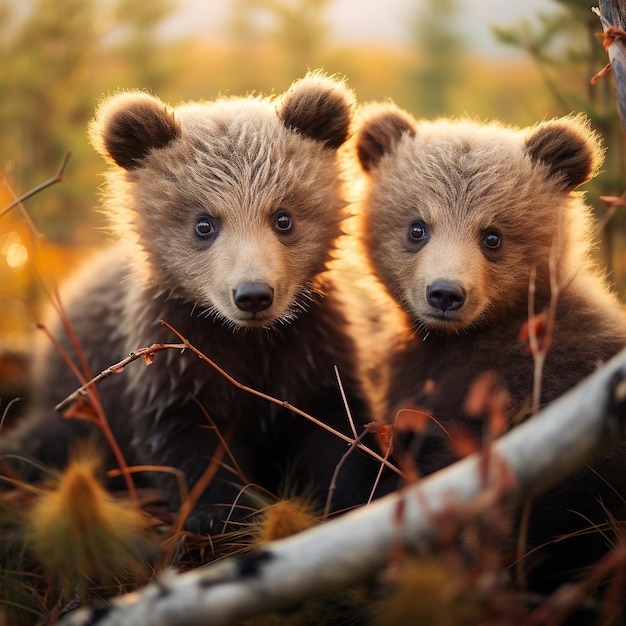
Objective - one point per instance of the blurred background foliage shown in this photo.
(58, 59)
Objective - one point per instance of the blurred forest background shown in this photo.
(57, 60)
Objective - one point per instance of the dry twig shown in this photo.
(148, 353)
(57, 178)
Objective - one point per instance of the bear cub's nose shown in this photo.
(253, 297)
(446, 295)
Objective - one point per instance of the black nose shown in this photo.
(446, 295)
(253, 297)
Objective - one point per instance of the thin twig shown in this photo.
(116, 369)
(333, 482)
(57, 178)
(207, 476)
(42, 467)
(52, 292)
(157, 347)
(613, 203)
(539, 350)
(282, 403)
(558, 607)
(213, 426)
(6, 411)
(164, 469)
(388, 453)
(198, 489)
(100, 420)
(533, 342)
(345, 401)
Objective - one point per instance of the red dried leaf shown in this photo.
(538, 324)
(429, 387)
(605, 71)
(487, 398)
(464, 443)
(81, 409)
(610, 35)
(149, 358)
(384, 435)
(498, 423)
(506, 477)
(480, 397)
(399, 513)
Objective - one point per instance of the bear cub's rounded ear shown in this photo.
(380, 131)
(569, 147)
(318, 107)
(128, 125)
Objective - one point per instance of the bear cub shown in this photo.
(225, 214)
(459, 218)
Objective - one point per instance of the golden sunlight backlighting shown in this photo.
(14, 251)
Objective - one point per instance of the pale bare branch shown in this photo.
(537, 454)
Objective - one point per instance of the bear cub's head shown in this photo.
(232, 205)
(458, 212)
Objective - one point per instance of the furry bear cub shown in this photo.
(460, 218)
(225, 215)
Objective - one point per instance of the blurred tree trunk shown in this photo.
(612, 14)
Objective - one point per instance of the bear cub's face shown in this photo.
(235, 204)
(458, 212)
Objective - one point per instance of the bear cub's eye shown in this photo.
(492, 240)
(418, 232)
(283, 222)
(206, 227)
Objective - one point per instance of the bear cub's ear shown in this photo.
(380, 131)
(568, 147)
(128, 125)
(320, 108)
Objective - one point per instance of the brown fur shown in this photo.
(136, 123)
(471, 208)
(318, 114)
(233, 168)
(380, 136)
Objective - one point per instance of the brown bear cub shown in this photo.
(458, 217)
(226, 214)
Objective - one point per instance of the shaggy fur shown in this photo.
(226, 213)
(456, 215)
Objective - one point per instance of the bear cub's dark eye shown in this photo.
(283, 222)
(206, 227)
(492, 240)
(418, 232)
